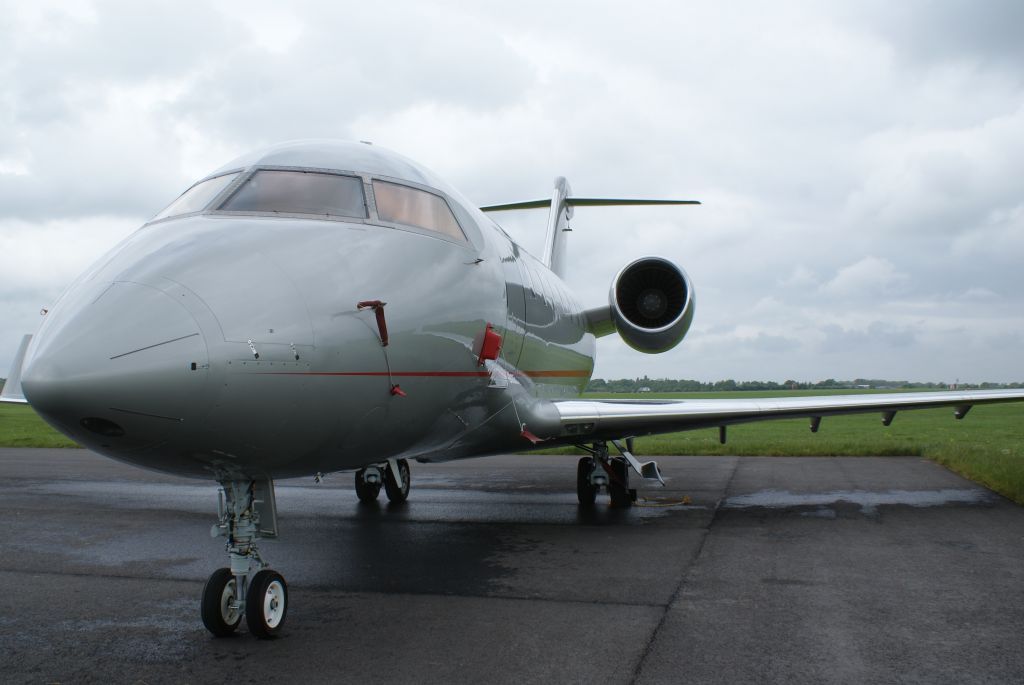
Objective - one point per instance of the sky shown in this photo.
(860, 163)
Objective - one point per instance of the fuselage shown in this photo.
(224, 341)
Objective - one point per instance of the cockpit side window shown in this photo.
(414, 207)
(300, 192)
(197, 197)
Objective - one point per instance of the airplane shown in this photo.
(324, 306)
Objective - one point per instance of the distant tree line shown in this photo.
(646, 384)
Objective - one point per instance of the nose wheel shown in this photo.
(220, 605)
(266, 604)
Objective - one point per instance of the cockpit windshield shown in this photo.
(320, 194)
(197, 197)
(299, 192)
(413, 207)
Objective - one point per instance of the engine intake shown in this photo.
(651, 302)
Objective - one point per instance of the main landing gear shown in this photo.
(247, 588)
(602, 471)
(393, 475)
(612, 473)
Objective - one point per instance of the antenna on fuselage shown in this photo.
(561, 206)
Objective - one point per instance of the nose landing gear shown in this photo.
(247, 512)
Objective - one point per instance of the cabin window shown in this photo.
(300, 192)
(197, 197)
(413, 207)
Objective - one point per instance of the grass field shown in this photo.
(22, 427)
(987, 446)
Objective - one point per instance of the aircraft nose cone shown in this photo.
(119, 371)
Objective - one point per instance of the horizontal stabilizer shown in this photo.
(527, 204)
(560, 209)
(12, 387)
(585, 202)
(622, 202)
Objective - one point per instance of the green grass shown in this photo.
(22, 427)
(987, 446)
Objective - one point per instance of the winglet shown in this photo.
(12, 387)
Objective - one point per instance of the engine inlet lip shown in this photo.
(630, 284)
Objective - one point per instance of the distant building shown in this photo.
(644, 389)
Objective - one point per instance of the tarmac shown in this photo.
(741, 570)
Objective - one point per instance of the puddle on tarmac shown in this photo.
(868, 501)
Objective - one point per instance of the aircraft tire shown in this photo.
(396, 494)
(219, 590)
(366, 492)
(586, 492)
(266, 605)
(618, 488)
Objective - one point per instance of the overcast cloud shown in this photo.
(860, 162)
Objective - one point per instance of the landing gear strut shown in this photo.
(247, 588)
(601, 470)
(393, 475)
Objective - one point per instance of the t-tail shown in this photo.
(560, 211)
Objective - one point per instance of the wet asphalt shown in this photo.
(742, 570)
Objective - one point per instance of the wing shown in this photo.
(589, 420)
(12, 387)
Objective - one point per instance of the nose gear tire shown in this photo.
(218, 595)
(266, 605)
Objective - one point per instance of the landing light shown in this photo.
(102, 427)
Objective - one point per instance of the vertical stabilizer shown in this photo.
(12, 387)
(558, 226)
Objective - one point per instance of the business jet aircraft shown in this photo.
(323, 306)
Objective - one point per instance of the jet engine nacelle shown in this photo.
(651, 304)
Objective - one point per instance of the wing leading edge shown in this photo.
(587, 420)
